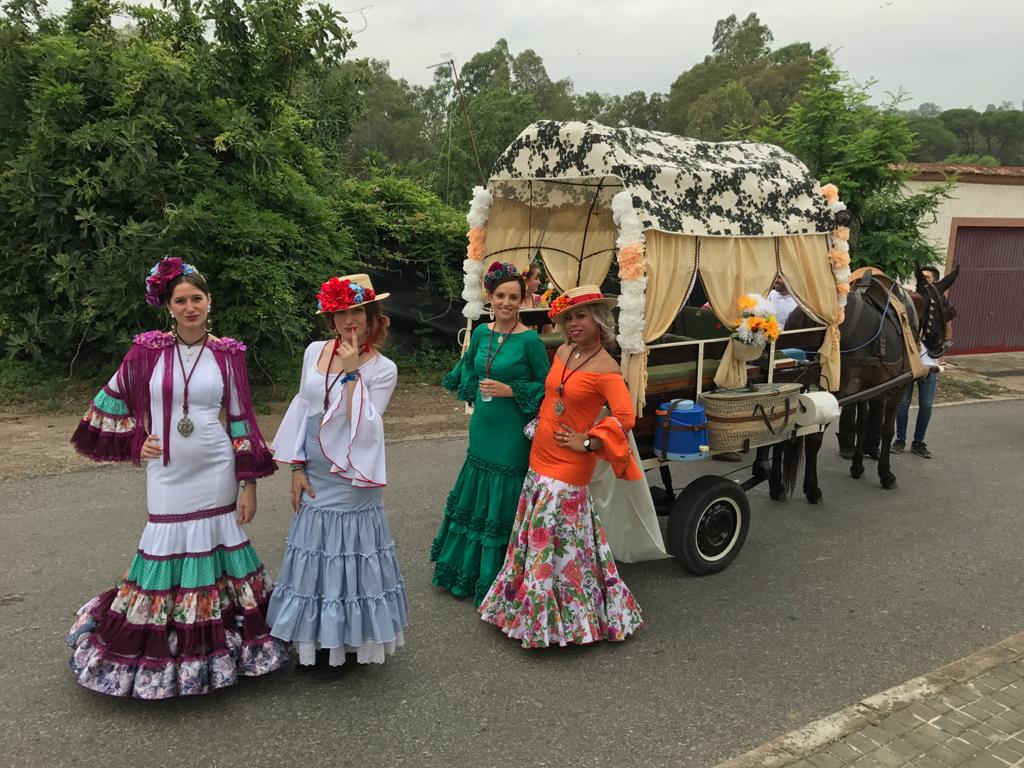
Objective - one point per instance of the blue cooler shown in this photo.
(681, 431)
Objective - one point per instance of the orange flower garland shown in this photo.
(477, 243)
(632, 264)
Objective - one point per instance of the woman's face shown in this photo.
(352, 321)
(533, 281)
(506, 300)
(580, 326)
(189, 306)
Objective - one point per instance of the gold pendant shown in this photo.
(185, 426)
(559, 407)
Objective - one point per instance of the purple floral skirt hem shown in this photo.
(242, 652)
(144, 678)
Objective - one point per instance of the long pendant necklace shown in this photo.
(185, 425)
(566, 375)
(328, 384)
(489, 358)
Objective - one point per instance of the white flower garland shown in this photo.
(632, 297)
(480, 208)
(473, 266)
(472, 279)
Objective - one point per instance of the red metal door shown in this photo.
(989, 293)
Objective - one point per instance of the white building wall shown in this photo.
(975, 201)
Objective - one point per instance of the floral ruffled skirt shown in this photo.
(559, 583)
(177, 626)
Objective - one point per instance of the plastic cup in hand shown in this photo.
(485, 398)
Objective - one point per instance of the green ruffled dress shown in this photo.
(470, 546)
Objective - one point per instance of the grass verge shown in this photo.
(952, 388)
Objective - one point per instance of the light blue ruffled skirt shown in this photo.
(339, 586)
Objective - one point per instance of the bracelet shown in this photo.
(243, 484)
(350, 377)
(299, 466)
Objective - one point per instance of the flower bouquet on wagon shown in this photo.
(756, 327)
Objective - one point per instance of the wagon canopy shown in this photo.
(736, 214)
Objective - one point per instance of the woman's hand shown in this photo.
(300, 483)
(493, 388)
(247, 503)
(349, 352)
(151, 448)
(567, 437)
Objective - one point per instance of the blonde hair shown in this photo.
(603, 317)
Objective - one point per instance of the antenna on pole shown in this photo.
(450, 63)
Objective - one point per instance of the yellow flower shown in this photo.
(746, 302)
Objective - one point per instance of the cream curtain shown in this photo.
(803, 260)
(671, 265)
(731, 267)
(562, 234)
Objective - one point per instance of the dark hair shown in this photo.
(194, 279)
(492, 287)
(377, 323)
(534, 267)
(933, 270)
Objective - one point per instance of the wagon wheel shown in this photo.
(708, 525)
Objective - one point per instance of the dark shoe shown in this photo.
(727, 456)
(898, 446)
(921, 450)
(846, 453)
(874, 454)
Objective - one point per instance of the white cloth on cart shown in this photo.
(627, 513)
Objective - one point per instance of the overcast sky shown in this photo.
(955, 53)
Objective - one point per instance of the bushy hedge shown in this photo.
(178, 135)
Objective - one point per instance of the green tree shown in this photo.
(719, 108)
(741, 42)
(741, 55)
(161, 139)
(393, 123)
(636, 109)
(846, 141)
(933, 140)
(964, 124)
(971, 160)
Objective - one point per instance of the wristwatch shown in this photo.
(586, 445)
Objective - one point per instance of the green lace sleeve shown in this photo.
(527, 395)
(462, 379)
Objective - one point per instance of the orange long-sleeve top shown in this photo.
(585, 394)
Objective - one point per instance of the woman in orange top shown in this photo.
(559, 584)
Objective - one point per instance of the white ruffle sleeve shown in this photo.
(289, 446)
(355, 445)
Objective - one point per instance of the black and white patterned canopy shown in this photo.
(680, 185)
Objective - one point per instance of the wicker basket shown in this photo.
(741, 419)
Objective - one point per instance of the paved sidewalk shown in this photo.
(968, 714)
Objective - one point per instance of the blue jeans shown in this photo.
(925, 398)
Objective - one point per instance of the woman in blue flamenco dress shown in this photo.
(340, 591)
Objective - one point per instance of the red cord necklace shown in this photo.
(560, 404)
(489, 358)
(185, 425)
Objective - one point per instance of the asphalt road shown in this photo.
(825, 605)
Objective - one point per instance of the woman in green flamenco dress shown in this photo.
(502, 375)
